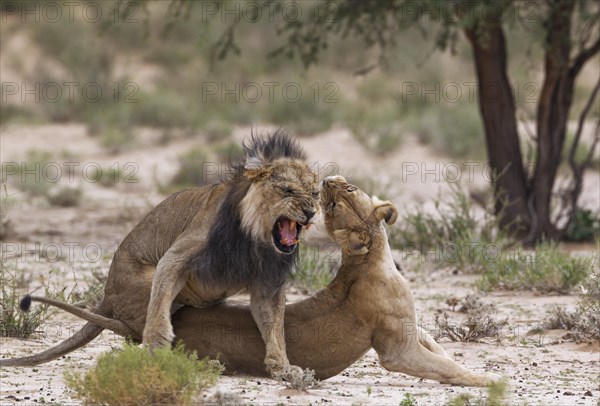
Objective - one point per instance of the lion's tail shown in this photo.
(96, 323)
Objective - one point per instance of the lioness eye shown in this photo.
(315, 195)
(351, 189)
(287, 190)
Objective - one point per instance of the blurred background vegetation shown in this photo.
(154, 73)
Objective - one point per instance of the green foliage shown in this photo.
(584, 323)
(585, 226)
(116, 139)
(496, 395)
(226, 152)
(191, 169)
(110, 176)
(93, 293)
(408, 400)
(314, 269)
(165, 108)
(544, 270)
(303, 117)
(29, 175)
(13, 321)
(65, 196)
(133, 375)
(451, 234)
(378, 129)
(455, 129)
(218, 130)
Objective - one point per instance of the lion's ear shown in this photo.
(255, 168)
(385, 210)
(353, 242)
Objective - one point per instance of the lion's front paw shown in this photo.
(288, 373)
(297, 378)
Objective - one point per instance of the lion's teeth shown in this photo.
(308, 226)
(292, 225)
(296, 241)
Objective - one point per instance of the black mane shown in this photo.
(275, 146)
(230, 256)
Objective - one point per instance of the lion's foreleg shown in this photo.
(268, 312)
(168, 281)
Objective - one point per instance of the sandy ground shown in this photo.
(540, 370)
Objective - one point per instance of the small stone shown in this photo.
(567, 393)
(588, 393)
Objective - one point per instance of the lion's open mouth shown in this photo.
(286, 234)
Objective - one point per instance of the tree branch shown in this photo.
(583, 57)
(581, 122)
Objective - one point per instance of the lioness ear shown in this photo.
(385, 210)
(255, 168)
(353, 242)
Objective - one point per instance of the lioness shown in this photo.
(204, 244)
(368, 304)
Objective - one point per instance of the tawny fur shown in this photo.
(367, 305)
(202, 245)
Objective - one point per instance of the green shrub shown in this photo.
(65, 196)
(33, 173)
(455, 130)
(165, 108)
(584, 227)
(135, 376)
(116, 139)
(227, 152)
(545, 270)
(218, 130)
(451, 234)
(13, 321)
(191, 169)
(377, 129)
(584, 323)
(110, 177)
(314, 269)
(496, 393)
(304, 117)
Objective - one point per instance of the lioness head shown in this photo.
(283, 194)
(351, 216)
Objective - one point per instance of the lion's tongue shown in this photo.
(287, 231)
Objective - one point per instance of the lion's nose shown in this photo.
(309, 213)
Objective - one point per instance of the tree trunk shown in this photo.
(497, 107)
(552, 115)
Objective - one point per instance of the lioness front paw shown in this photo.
(489, 378)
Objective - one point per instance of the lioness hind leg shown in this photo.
(428, 342)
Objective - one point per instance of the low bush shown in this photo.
(314, 269)
(544, 270)
(135, 376)
(450, 234)
(479, 323)
(13, 321)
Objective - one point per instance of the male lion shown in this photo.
(204, 244)
(368, 304)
